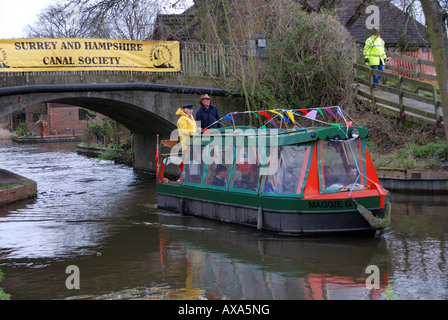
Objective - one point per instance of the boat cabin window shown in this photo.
(193, 165)
(291, 169)
(340, 164)
(247, 169)
(219, 162)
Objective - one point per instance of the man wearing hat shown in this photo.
(186, 124)
(220, 176)
(375, 53)
(208, 113)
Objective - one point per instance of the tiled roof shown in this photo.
(392, 21)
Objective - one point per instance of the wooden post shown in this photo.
(372, 93)
(438, 116)
(416, 71)
(400, 97)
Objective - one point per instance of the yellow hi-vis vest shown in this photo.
(375, 51)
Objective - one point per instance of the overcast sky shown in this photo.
(16, 14)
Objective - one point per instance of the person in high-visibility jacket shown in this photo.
(375, 53)
(186, 124)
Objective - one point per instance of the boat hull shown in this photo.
(286, 221)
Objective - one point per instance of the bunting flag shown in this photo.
(281, 115)
(264, 113)
(320, 111)
(290, 115)
(340, 112)
(330, 112)
(273, 123)
(269, 117)
(229, 117)
(311, 115)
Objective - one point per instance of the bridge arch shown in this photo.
(145, 109)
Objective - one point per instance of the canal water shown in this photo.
(96, 224)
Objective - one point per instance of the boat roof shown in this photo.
(242, 135)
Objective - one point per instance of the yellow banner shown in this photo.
(23, 55)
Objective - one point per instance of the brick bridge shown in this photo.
(145, 103)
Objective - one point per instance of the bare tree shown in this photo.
(436, 16)
(135, 21)
(121, 19)
(53, 22)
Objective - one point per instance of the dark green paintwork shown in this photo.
(285, 203)
(286, 137)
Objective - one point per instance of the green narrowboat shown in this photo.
(293, 181)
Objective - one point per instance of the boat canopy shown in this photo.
(297, 161)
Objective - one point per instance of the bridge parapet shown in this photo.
(15, 79)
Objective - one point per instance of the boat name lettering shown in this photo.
(329, 204)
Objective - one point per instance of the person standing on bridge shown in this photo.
(185, 124)
(375, 53)
(208, 114)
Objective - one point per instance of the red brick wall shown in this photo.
(60, 119)
(19, 188)
(64, 120)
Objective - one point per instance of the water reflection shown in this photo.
(245, 264)
(104, 219)
(418, 242)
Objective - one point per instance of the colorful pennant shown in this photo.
(229, 117)
(311, 115)
(289, 116)
(330, 112)
(281, 115)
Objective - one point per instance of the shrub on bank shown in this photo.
(3, 295)
(310, 61)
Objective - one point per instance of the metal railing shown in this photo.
(197, 59)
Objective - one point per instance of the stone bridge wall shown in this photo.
(144, 107)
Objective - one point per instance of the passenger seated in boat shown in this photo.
(268, 187)
(352, 175)
(284, 182)
(273, 184)
(331, 181)
(246, 182)
(220, 176)
(238, 180)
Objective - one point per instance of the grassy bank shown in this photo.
(3, 295)
(402, 145)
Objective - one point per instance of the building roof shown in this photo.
(174, 26)
(392, 21)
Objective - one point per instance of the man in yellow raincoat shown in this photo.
(375, 53)
(186, 124)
